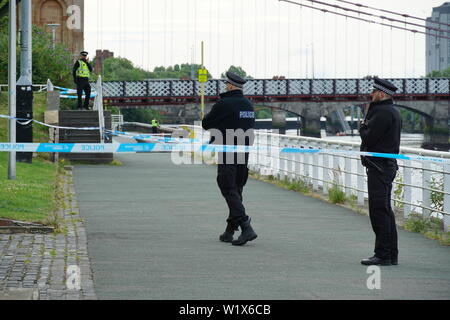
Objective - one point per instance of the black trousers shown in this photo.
(231, 179)
(381, 215)
(86, 87)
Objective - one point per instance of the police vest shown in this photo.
(83, 70)
(154, 123)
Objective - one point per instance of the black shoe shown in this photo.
(227, 236)
(248, 234)
(375, 261)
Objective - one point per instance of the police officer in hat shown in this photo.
(81, 73)
(231, 122)
(380, 132)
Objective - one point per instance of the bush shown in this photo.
(336, 195)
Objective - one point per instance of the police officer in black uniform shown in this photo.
(380, 132)
(81, 72)
(233, 118)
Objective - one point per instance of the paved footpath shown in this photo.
(34, 266)
(153, 227)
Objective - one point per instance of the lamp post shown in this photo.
(12, 62)
(53, 27)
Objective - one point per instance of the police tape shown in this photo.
(196, 147)
(151, 137)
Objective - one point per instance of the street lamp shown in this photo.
(53, 27)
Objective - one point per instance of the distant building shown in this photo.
(438, 49)
(47, 12)
(100, 57)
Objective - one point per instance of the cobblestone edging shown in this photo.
(41, 261)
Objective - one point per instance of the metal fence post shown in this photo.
(326, 170)
(360, 182)
(348, 175)
(407, 190)
(447, 197)
(315, 170)
(426, 194)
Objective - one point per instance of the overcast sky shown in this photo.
(265, 37)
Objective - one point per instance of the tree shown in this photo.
(48, 63)
(237, 70)
(439, 74)
(122, 69)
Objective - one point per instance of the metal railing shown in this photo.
(274, 88)
(322, 171)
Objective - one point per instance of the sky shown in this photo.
(264, 37)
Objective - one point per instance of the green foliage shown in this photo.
(336, 195)
(236, 70)
(48, 63)
(439, 74)
(140, 115)
(432, 228)
(398, 191)
(437, 196)
(184, 71)
(263, 112)
(297, 185)
(122, 69)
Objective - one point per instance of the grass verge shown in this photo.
(31, 197)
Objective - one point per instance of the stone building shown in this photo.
(47, 12)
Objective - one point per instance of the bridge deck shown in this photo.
(153, 227)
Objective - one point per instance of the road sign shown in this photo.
(202, 75)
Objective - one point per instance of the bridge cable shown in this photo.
(323, 46)
(242, 33)
(265, 39)
(369, 21)
(391, 12)
(256, 39)
(289, 45)
(218, 37)
(165, 34)
(382, 52)
(172, 62)
(143, 34)
(359, 49)
(234, 31)
(149, 32)
(377, 16)
(301, 40)
(210, 32)
(278, 39)
(335, 45)
(125, 28)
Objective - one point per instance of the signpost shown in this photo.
(202, 78)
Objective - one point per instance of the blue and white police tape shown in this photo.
(23, 121)
(194, 147)
(152, 137)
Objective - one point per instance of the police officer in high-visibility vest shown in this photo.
(155, 125)
(81, 73)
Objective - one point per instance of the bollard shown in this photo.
(447, 197)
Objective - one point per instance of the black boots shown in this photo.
(227, 236)
(248, 234)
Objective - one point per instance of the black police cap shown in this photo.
(385, 86)
(235, 80)
(84, 53)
